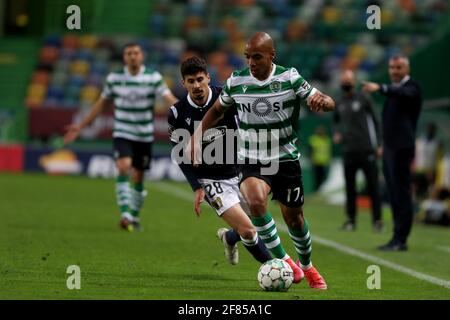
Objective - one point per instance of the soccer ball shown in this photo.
(275, 275)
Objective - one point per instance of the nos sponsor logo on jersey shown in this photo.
(133, 97)
(261, 107)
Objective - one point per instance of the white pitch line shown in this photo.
(445, 249)
(171, 189)
(187, 196)
(374, 259)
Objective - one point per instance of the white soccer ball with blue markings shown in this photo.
(275, 275)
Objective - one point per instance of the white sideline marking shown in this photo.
(171, 189)
(445, 249)
(374, 259)
(188, 196)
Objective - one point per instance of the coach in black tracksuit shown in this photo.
(400, 115)
(356, 127)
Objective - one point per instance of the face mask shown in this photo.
(346, 87)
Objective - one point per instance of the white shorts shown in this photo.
(223, 194)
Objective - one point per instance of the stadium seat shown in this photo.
(55, 92)
(37, 90)
(89, 94)
(52, 41)
(88, 41)
(51, 103)
(48, 55)
(79, 67)
(70, 41)
(59, 78)
(72, 92)
(40, 77)
(34, 102)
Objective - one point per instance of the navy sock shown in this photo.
(232, 237)
(257, 249)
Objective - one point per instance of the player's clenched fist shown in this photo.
(320, 102)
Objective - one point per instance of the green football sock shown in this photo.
(267, 231)
(302, 242)
(123, 194)
(137, 199)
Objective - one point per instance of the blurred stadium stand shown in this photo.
(43, 67)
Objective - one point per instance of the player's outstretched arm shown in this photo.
(169, 99)
(211, 117)
(320, 102)
(73, 130)
(199, 196)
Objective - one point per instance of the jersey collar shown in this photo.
(127, 72)
(403, 81)
(192, 103)
(261, 82)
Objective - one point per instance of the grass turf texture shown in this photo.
(49, 223)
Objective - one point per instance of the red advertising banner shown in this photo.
(47, 122)
(11, 158)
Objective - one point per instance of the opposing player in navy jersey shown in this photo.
(217, 182)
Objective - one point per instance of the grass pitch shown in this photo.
(50, 223)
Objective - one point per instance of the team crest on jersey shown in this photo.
(356, 106)
(217, 203)
(262, 107)
(132, 97)
(275, 86)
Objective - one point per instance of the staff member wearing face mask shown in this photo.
(357, 129)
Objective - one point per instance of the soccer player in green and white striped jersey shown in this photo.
(133, 92)
(267, 97)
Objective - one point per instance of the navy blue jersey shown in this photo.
(183, 115)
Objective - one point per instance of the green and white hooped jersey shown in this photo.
(268, 112)
(134, 99)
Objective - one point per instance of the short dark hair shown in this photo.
(131, 44)
(192, 66)
(398, 56)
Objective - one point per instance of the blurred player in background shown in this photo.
(133, 92)
(218, 182)
(358, 130)
(428, 151)
(267, 98)
(320, 153)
